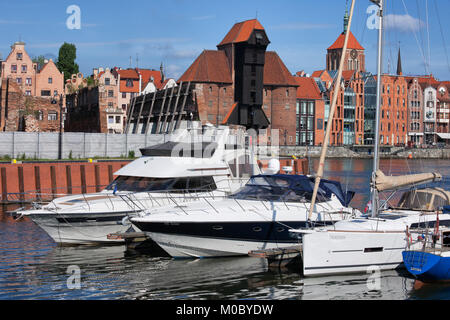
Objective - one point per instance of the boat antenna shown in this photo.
(337, 84)
(376, 156)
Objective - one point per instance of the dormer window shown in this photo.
(129, 83)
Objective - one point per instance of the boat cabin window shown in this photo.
(143, 184)
(421, 201)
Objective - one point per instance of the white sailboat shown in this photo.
(378, 241)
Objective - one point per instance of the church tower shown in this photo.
(354, 56)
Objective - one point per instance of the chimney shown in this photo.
(162, 72)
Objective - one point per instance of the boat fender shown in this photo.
(126, 221)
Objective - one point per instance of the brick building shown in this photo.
(241, 79)
(18, 66)
(348, 121)
(394, 110)
(415, 112)
(443, 112)
(23, 112)
(102, 105)
(310, 109)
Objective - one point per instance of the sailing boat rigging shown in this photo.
(357, 244)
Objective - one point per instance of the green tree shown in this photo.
(66, 60)
(40, 60)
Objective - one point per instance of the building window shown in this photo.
(129, 83)
(45, 93)
(19, 56)
(124, 106)
(124, 94)
(210, 103)
(55, 92)
(19, 80)
(110, 93)
(287, 93)
(118, 119)
(28, 81)
(50, 80)
(40, 115)
(28, 92)
(24, 68)
(52, 116)
(111, 119)
(110, 105)
(107, 81)
(14, 68)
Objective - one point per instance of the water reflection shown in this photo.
(33, 267)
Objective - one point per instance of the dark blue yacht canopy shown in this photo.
(300, 184)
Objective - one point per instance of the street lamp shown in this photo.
(60, 123)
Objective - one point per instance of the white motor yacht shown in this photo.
(207, 162)
(258, 216)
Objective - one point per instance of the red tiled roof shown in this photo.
(347, 74)
(128, 74)
(317, 74)
(241, 32)
(352, 42)
(146, 76)
(275, 72)
(123, 86)
(210, 66)
(307, 88)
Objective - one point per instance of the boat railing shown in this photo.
(429, 240)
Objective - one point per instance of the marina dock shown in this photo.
(280, 258)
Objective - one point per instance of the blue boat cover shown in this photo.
(305, 183)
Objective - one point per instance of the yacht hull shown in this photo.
(340, 252)
(77, 229)
(220, 239)
(426, 266)
(179, 246)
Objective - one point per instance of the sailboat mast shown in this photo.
(326, 140)
(376, 155)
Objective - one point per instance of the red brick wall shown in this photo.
(59, 183)
(394, 113)
(15, 104)
(279, 104)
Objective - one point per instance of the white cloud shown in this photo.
(402, 23)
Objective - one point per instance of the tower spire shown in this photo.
(399, 63)
(346, 17)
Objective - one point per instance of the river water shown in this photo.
(33, 267)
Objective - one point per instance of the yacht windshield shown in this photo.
(143, 184)
(278, 188)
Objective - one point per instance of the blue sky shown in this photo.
(176, 32)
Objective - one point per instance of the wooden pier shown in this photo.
(289, 257)
(139, 243)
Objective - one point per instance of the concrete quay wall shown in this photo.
(348, 152)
